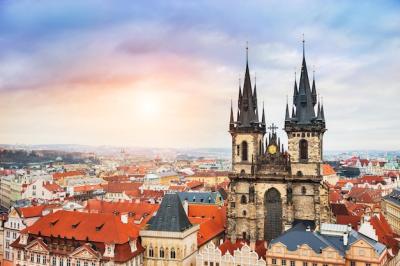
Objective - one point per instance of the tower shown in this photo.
(272, 189)
(305, 129)
(247, 131)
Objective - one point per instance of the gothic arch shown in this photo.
(245, 148)
(272, 214)
(303, 150)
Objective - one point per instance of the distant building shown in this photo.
(391, 209)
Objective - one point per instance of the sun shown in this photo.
(148, 104)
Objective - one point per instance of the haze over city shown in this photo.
(159, 74)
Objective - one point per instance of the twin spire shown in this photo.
(305, 99)
(247, 115)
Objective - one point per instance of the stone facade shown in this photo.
(270, 188)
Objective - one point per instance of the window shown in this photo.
(19, 254)
(244, 235)
(303, 190)
(244, 151)
(38, 258)
(243, 199)
(314, 264)
(8, 233)
(233, 205)
(61, 262)
(305, 264)
(352, 263)
(32, 257)
(283, 262)
(14, 235)
(85, 263)
(151, 252)
(78, 263)
(273, 261)
(161, 252)
(244, 213)
(68, 262)
(44, 260)
(292, 263)
(367, 264)
(303, 148)
(54, 261)
(237, 150)
(173, 253)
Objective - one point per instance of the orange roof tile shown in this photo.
(328, 170)
(97, 227)
(57, 176)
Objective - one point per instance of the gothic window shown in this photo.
(244, 151)
(161, 252)
(237, 150)
(273, 214)
(243, 199)
(244, 213)
(151, 251)
(303, 148)
(303, 190)
(251, 194)
(173, 255)
(260, 148)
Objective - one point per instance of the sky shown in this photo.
(163, 73)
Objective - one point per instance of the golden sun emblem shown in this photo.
(272, 149)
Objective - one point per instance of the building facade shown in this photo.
(391, 209)
(271, 189)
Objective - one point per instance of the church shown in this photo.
(273, 189)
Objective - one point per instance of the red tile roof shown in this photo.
(87, 188)
(53, 187)
(114, 187)
(365, 195)
(82, 226)
(34, 211)
(230, 247)
(57, 176)
(212, 220)
(328, 170)
(349, 219)
(334, 196)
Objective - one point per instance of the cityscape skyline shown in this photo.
(160, 75)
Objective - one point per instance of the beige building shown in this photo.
(334, 245)
(391, 209)
(169, 238)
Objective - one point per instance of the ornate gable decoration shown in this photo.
(85, 252)
(37, 245)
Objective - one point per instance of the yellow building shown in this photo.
(391, 209)
(211, 178)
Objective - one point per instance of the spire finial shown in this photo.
(313, 71)
(247, 51)
(303, 45)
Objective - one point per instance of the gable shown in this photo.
(37, 246)
(84, 252)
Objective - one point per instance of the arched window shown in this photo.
(251, 194)
(244, 235)
(243, 199)
(260, 148)
(151, 251)
(173, 254)
(303, 190)
(303, 148)
(244, 151)
(161, 252)
(244, 213)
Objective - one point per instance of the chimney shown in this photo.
(124, 218)
(345, 238)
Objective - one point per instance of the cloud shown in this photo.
(74, 72)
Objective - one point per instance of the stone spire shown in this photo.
(263, 116)
(314, 90)
(231, 120)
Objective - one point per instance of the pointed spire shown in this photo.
(314, 90)
(231, 121)
(295, 91)
(238, 117)
(293, 112)
(319, 111)
(287, 117)
(322, 112)
(263, 116)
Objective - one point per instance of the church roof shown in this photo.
(171, 216)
